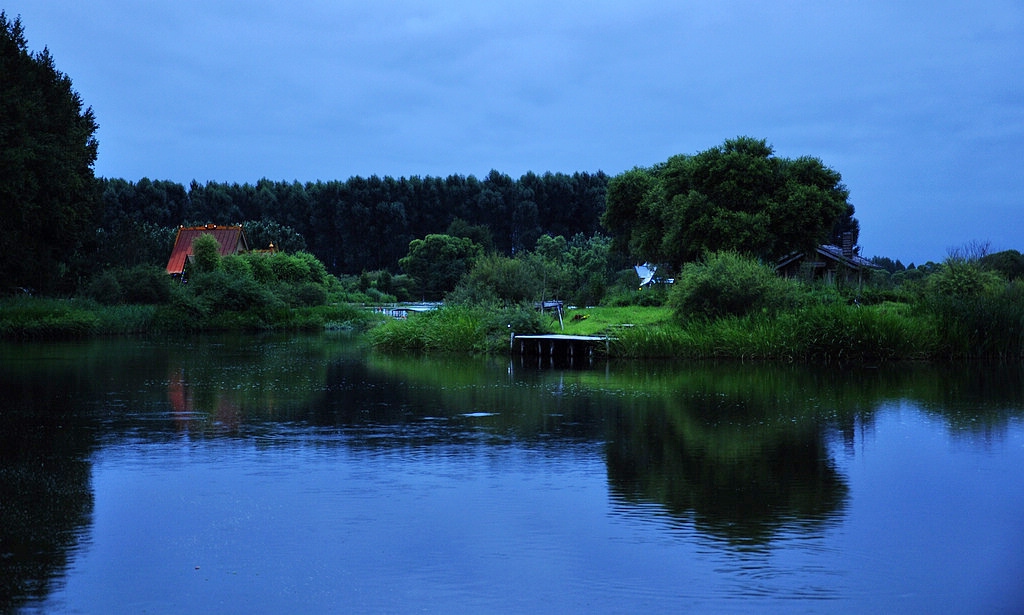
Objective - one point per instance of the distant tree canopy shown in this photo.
(738, 196)
(47, 150)
(361, 224)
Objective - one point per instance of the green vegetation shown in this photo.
(731, 307)
(47, 150)
(93, 250)
(247, 292)
(458, 328)
(736, 197)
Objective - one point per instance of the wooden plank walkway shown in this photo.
(555, 345)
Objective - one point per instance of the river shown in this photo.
(307, 473)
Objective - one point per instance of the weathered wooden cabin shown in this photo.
(232, 240)
(828, 262)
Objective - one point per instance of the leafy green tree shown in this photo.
(437, 262)
(589, 268)
(48, 196)
(206, 253)
(736, 197)
(1009, 263)
(498, 279)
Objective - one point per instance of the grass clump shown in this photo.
(457, 328)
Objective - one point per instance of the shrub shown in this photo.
(104, 288)
(218, 291)
(727, 284)
(238, 267)
(289, 268)
(496, 278)
(205, 253)
(145, 284)
(259, 264)
(308, 294)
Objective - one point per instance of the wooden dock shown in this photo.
(558, 346)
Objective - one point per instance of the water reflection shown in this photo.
(743, 456)
(45, 493)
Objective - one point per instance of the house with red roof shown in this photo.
(231, 239)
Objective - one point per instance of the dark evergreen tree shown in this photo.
(48, 196)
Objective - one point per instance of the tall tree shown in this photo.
(48, 196)
(738, 197)
(437, 262)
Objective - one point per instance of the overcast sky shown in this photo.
(918, 104)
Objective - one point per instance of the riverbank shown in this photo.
(33, 318)
(836, 333)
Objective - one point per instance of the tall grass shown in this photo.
(980, 325)
(458, 328)
(447, 329)
(833, 333)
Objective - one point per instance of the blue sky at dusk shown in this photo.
(919, 105)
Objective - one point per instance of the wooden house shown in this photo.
(827, 262)
(231, 239)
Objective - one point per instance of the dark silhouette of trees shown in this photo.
(363, 223)
(47, 150)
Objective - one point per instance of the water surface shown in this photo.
(305, 474)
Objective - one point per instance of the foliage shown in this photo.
(497, 279)
(265, 233)
(575, 271)
(437, 262)
(978, 313)
(218, 291)
(457, 328)
(366, 223)
(47, 150)
(1008, 263)
(727, 284)
(142, 284)
(205, 254)
(735, 197)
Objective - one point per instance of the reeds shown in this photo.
(835, 333)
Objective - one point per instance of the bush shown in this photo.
(287, 268)
(238, 267)
(308, 294)
(104, 288)
(496, 278)
(145, 284)
(977, 313)
(218, 291)
(205, 253)
(142, 284)
(727, 284)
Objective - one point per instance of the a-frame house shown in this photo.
(231, 239)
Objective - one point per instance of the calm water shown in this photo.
(304, 474)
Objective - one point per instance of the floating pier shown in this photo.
(558, 346)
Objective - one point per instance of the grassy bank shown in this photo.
(836, 333)
(458, 328)
(833, 334)
(30, 318)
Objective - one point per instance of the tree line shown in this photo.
(355, 225)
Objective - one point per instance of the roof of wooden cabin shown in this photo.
(231, 239)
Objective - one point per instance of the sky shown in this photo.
(918, 104)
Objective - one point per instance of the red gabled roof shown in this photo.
(231, 239)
